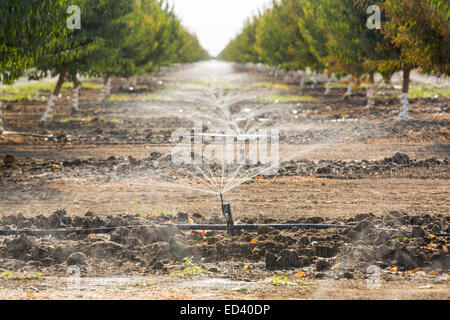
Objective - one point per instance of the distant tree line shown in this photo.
(117, 38)
(334, 36)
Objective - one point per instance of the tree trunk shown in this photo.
(302, 81)
(75, 98)
(313, 86)
(1, 118)
(107, 76)
(61, 78)
(108, 84)
(315, 79)
(106, 89)
(51, 102)
(371, 91)
(348, 94)
(327, 90)
(404, 109)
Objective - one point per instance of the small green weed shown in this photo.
(119, 97)
(426, 91)
(189, 268)
(274, 86)
(156, 212)
(30, 91)
(134, 284)
(13, 276)
(91, 85)
(163, 213)
(283, 281)
(79, 119)
(210, 83)
(287, 98)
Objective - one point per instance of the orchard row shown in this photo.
(334, 36)
(120, 38)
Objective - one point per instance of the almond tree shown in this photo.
(1, 118)
(100, 28)
(242, 49)
(420, 29)
(279, 40)
(28, 28)
(154, 37)
(312, 27)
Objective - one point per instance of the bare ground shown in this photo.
(70, 170)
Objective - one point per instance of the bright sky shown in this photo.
(216, 22)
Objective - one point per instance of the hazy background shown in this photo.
(216, 22)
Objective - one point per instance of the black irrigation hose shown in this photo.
(254, 227)
(215, 227)
(32, 232)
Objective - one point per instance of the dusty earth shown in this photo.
(109, 166)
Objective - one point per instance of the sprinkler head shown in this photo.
(229, 218)
(226, 211)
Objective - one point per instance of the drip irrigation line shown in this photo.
(28, 134)
(213, 227)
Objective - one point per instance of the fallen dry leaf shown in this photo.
(393, 269)
(413, 271)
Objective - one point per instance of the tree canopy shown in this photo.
(28, 29)
(120, 37)
(333, 34)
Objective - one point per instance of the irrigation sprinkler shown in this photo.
(226, 211)
(230, 227)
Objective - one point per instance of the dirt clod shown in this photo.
(19, 247)
(264, 230)
(77, 259)
(365, 226)
(417, 232)
(322, 264)
(9, 160)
